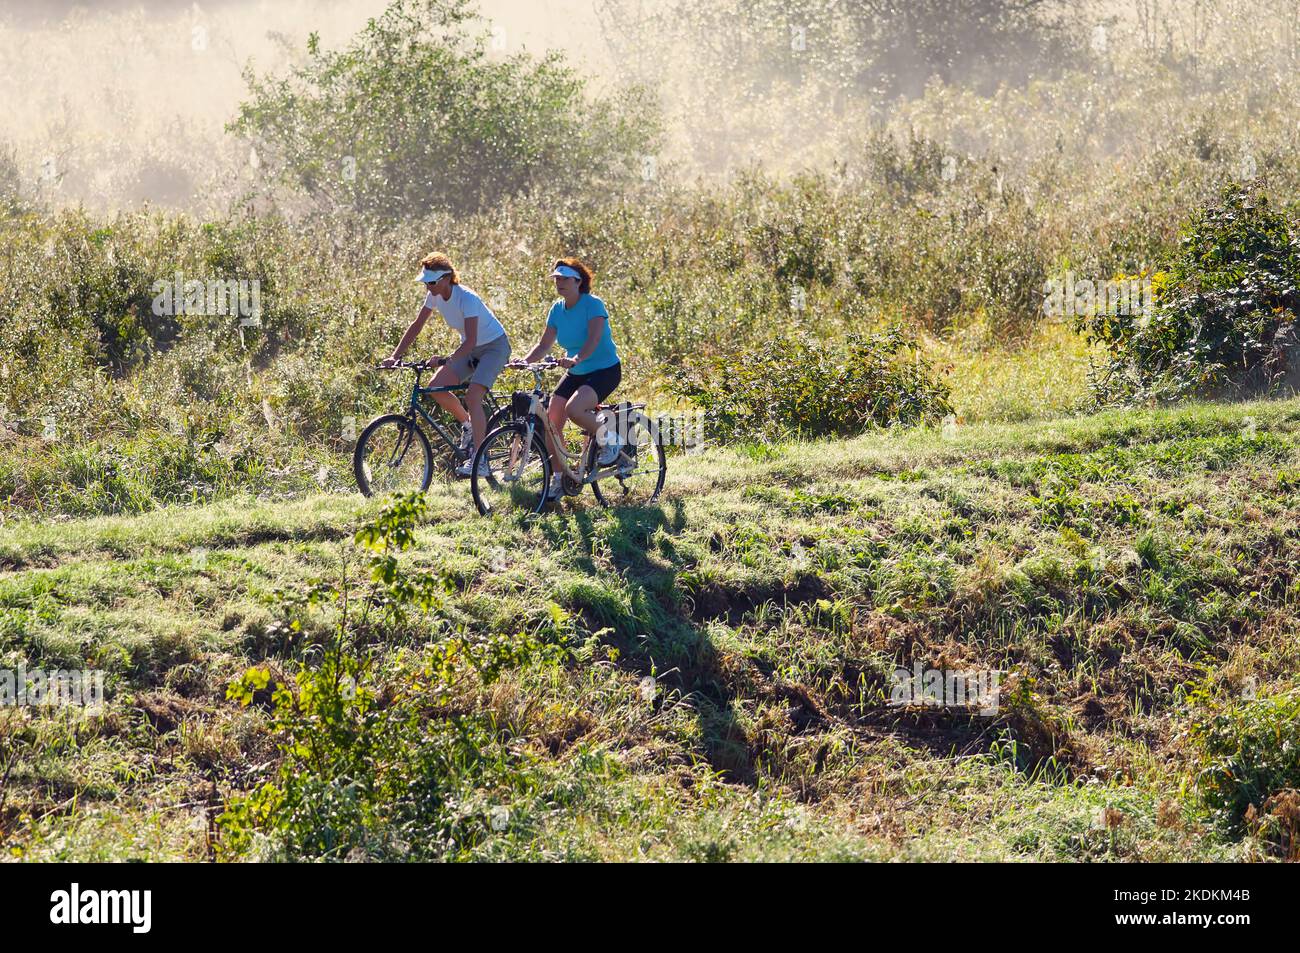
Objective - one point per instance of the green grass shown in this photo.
(1123, 570)
(1040, 378)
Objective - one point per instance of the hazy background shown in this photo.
(113, 102)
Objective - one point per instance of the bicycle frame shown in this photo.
(416, 408)
(441, 436)
(537, 411)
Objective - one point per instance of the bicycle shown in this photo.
(518, 465)
(394, 454)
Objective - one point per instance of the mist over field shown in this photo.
(964, 336)
(130, 100)
(114, 104)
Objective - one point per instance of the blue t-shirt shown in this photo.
(571, 331)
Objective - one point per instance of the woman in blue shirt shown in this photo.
(579, 321)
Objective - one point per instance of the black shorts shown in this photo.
(602, 382)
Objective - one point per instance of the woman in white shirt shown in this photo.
(482, 339)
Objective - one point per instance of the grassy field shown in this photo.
(1132, 576)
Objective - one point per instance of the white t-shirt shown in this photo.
(463, 304)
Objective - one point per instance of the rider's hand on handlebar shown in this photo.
(565, 362)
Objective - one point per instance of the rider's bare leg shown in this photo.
(474, 399)
(449, 402)
(582, 409)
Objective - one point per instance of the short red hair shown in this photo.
(584, 280)
(440, 262)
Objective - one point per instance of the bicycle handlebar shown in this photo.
(537, 367)
(412, 365)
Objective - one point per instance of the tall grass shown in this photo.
(946, 217)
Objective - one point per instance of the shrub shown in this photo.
(415, 114)
(940, 240)
(796, 386)
(12, 199)
(376, 755)
(1224, 317)
(127, 475)
(873, 48)
(1251, 751)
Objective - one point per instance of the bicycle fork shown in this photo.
(522, 453)
(399, 454)
(530, 430)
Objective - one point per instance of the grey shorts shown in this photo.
(491, 358)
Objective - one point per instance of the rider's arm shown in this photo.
(411, 334)
(595, 328)
(471, 339)
(543, 346)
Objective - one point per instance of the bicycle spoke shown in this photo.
(392, 457)
(517, 472)
(400, 448)
(637, 476)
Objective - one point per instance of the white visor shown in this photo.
(429, 275)
(564, 271)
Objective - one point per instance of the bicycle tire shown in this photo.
(409, 431)
(496, 451)
(653, 474)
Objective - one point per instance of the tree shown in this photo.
(415, 113)
(12, 198)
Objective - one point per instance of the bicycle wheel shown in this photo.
(642, 467)
(518, 471)
(392, 456)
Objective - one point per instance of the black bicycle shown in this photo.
(395, 455)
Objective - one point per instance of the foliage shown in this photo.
(1251, 750)
(945, 219)
(12, 199)
(876, 49)
(751, 624)
(1225, 314)
(797, 386)
(416, 113)
(374, 752)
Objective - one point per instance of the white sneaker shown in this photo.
(609, 450)
(609, 445)
(466, 436)
(466, 468)
(556, 489)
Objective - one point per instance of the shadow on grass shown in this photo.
(652, 629)
(634, 590)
